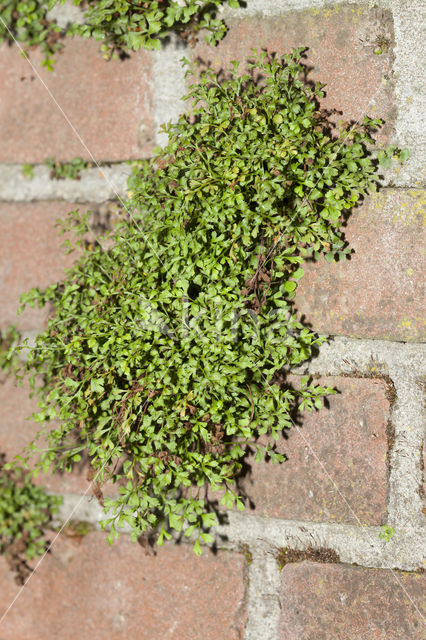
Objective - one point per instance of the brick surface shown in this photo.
(30, 256)
(341, 43)
(334, 602)
(88, 590)
(108, 103)
(17, 430)
(379, 292)
(335, 459)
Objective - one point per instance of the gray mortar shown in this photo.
(168, 85)
(263, 597)
(405, 478)
(341, 355)
(272, 8)
(403, 363)
(356, 545)
(95, 185)
(66, 13)
(80, 509)
(410, 87)
(409, 61)
(353, 545)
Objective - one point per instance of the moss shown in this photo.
(322, 554)
(245, 550)
(77, 528)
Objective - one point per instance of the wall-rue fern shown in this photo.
(163, 357)
(63, 170)
(25, 512)
(120, 26)
(28, 23)
(9, 360)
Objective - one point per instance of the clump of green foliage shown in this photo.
(9, 360)
(27, 22)
(61, 170)
(128, 26)
(386, 532)
(120, 26)
(25, 512)
(392, 152)
(28, 170)
(164, 355)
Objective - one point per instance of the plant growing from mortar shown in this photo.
(162, 358)
(119, 25)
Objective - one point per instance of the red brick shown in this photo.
(108, 103)
(349, 441)
(341, 45)
(17, 431)
(334, 602)
(30, 256)
(89, 590)
(379, 293)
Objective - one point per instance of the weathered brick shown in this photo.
(335, 602)
(108, 103)
(341, 42)
(17, 430)
(336, 458)
(88, 590)
(30, 256)
(349, 439)
(379, 292)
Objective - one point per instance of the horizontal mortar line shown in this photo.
(266, 8)
(344, 355)
(355, 357)
(353, 545)
(95, 185)
(65, 13)
(404, 363)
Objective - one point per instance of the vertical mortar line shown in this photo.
(168, 85)
(405, 473)
(409, 18)
(263, 597)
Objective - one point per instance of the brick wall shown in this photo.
(352, 467)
